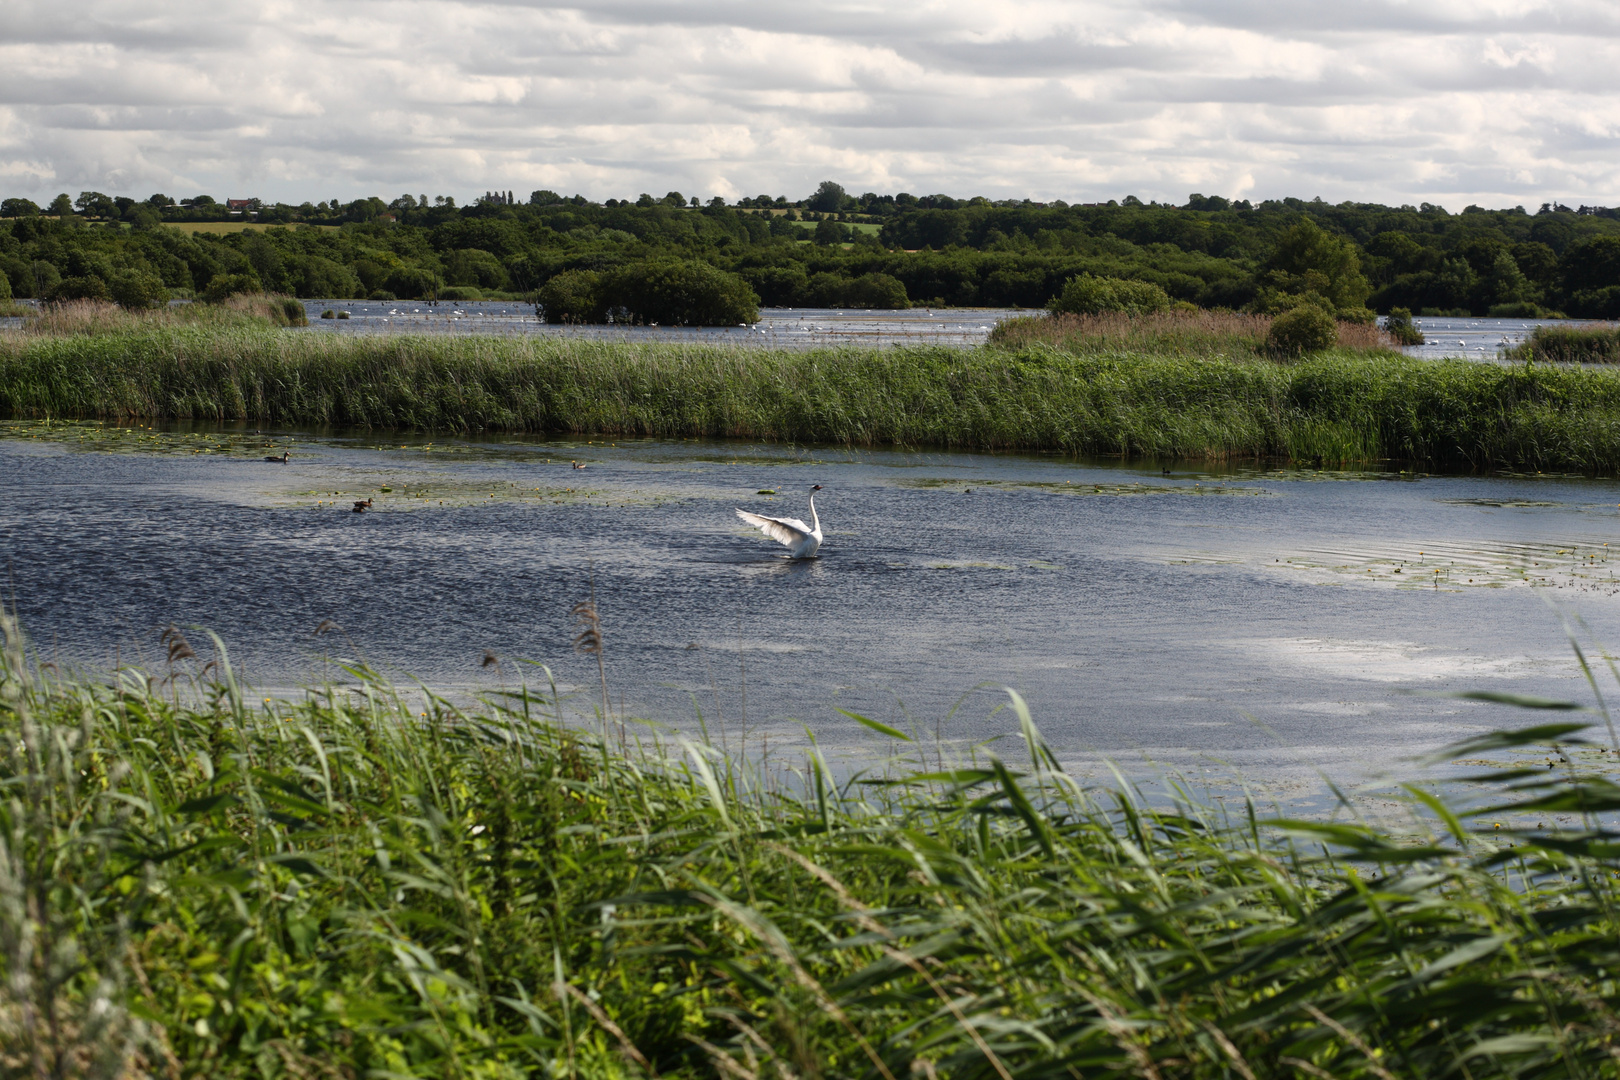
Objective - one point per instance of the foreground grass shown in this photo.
(193, 883)
(1189, 398)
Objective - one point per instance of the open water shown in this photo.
(1272, 623)
(803, 328)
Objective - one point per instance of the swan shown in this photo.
(800, 539)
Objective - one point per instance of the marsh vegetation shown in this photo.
(363, 881)
(1174, 385)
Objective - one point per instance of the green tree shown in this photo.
(828, 199)
(1308, 259)
(573, 296)
(95, 204)
(61, 206)
(224, 286)
(87, 287)
(475, 267)
(680, 292)
(137, 289)
(829, 231)
(877, 290)
(16, 208)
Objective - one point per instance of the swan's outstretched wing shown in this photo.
(789, 531)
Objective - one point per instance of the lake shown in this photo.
(804, 328)
(1272, 623)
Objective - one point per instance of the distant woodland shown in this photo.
(832, 249)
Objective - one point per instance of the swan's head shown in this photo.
(817, 487)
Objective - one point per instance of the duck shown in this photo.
(801, 540)
(285, 454)
(579, 464)
(362, 505)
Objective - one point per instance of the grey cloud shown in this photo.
(1443, 101)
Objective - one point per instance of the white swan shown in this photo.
(800, 539)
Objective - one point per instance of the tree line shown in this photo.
(829, 249)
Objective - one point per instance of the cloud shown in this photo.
(1494, 102)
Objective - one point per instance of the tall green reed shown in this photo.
(1345, 406)
(370, 881)
(1583, 343)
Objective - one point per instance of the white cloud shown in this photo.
(1452, 101)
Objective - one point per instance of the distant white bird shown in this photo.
(800, 539)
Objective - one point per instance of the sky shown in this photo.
(1454, 102)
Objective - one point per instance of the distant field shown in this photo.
(810, 227)
(222, 227)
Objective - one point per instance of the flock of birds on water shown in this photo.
(801, 540)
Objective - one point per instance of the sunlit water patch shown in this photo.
(1262, 623)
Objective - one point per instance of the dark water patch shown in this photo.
(1269, 636)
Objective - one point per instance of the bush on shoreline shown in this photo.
(666, 292)
(1305, 329)
(1569, 345)
(198, 882)
(1090, 295)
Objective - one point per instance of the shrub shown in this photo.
(224, 286)
(778, 286)
(1570, 344)
(675, 292)
(412, 283)
(1359, 315)
(573, 296)
(343, 315)
(460, 292)
(829, 231)
(138, 289)
(1600, 303)
(879, 291)
(381, 294)
(328, 314)
(1519, 309)
(5, 288)
(87, 287)
(1399, 325)
(1088, 295)
(1306, 329)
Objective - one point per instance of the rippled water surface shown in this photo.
(791, 328)
(1278, 621)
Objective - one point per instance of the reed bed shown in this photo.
(1587, 343)
(197, 882)
(98, 317)
(1170, 333)
(1341, 406)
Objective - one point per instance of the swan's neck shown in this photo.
(815, 522)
